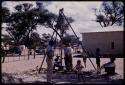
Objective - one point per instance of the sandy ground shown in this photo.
(16, 65)
(23, 69)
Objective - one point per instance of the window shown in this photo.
(112, 45)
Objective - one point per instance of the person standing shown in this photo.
(49, 60)
(98, 60)
(68, 57)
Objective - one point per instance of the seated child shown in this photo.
(57, 63)
(109, 67)
(78, 68)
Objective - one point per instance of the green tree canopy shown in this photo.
(24, 20)
(110, 13)
(5, 14)
(70, 39)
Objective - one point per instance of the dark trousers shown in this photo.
(98, 62)
(80, 76)
(68, 62)
(98, 65)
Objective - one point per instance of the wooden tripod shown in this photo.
(55, 30)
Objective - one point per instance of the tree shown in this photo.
(70, 39)
(6, 38)
(5, 14)
(35, 41)
(45, 40)
(24, 20)
(110, 13)
(48, 19)
(21, 23)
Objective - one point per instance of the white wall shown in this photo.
(103, 40)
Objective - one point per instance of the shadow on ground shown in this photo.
(9, 78)
(89, 77)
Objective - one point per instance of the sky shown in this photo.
(80, 11)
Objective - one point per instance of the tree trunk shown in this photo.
(61, 52)
(24, 53)
(28, 53)
(61, 33)
(34, 54)
(3, 56)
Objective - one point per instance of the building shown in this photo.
(110, 42)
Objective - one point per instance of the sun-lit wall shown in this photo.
(108, 42)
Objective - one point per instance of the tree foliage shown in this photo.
(110, 13)
(5, 14)
(24, 20)
(62, 25)
(6, 38)
(70, 39)
(21, 22)
(35, 40)
(45, 39)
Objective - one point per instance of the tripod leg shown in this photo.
(92, 63)
(42, 64)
